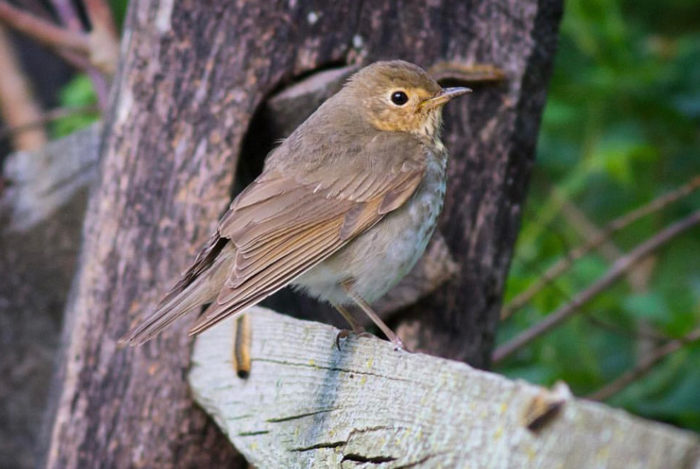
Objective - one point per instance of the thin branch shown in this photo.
(103, 43)
(614, 328)
(100, 84)
(616, 225)
(100, 16)
(104, 39)
(643, 367)
(76, 60)
(37, 8)
(618, 269)
(95, 53)
(42, 30)
(46, 117)
(68, 14)
(17, 102)
(586, 229)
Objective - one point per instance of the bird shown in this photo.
(343, 209)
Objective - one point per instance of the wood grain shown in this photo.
(308, 404)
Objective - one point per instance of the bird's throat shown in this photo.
(432, 125)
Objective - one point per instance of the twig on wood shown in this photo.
(643, 367)
(42, 30)
(48, 116)
(617, 270)
(616, 225)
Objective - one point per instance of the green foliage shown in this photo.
(119, 11)
(77, 93)
(620, 128)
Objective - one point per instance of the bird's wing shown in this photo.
(281, 226)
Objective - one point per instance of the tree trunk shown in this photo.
(191, 79)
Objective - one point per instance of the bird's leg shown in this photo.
(364, 306)
(349, 318)
(356, 328)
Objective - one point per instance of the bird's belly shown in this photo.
(376, 260)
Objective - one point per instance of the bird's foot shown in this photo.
(398, 344)
(345, 333)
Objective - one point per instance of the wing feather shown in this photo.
(287, 221)
(265, 263)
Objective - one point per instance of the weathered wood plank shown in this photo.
(308, 404)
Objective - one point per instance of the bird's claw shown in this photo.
(345, 333)
(342, 334)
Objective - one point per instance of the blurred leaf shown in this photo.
(649, 305)
(77, 93)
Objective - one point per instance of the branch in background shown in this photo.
(104, 47)
(102, 54)
(104, 39)
(67, 14)
(17, 104)
(618, 269)
(43, 31)
(643, 367)
(586, 229)
(96, 52)
(77, 61)
(647, 334)
(616, 225)
(46, 117)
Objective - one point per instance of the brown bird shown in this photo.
(343, 209)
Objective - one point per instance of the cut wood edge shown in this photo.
(308, 404)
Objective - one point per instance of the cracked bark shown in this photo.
(191, 80)
(307, 404)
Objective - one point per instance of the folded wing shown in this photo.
(281, 226)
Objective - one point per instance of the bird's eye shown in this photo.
(399, 98)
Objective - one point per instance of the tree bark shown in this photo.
(192, 77)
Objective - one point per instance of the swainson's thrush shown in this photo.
(343, 209)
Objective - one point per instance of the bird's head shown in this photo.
(401, 97)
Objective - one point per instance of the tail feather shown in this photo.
(200, 291)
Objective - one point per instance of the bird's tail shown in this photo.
(203, 289)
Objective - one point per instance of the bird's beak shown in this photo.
(443, 96)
